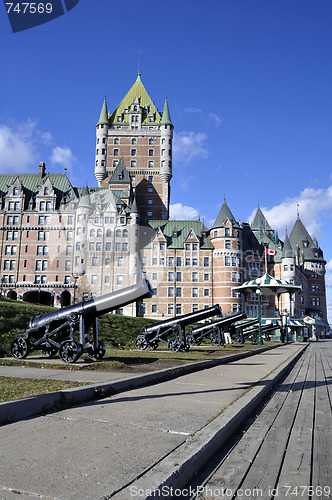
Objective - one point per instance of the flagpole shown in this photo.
(265, 259)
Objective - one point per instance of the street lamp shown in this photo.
(259, 293)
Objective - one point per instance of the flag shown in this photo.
(270, 252)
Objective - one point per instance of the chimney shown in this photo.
(42, 169)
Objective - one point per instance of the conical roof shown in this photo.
(103, 119)
(300, 238)
(145, 102)
(85, 201)
(120, 174)
(259, 221)
(223, 215)
(166, 117)
(287, 251)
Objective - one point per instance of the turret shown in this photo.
(166, 137)
(101, 144)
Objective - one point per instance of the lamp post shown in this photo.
(259, 293)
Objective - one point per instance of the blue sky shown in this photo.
(248, 84)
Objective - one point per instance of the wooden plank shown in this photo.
(322, 442)
(235, 467)
(266, 466)
(296, 468)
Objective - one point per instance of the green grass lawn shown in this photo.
(16, 388)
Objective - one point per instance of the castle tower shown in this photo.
(101, 144)
(309, 257)
(142, 136)
(166, 158)
(288, 273)
(226, 238)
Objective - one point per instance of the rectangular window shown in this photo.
(170, 309)
(227, 261)
(227, 244)
(206, 292)
(178, 276)
(93, 279)
(133, 152)
(178, 261)
(194, 308)
(170, 276)
(195, 292)
(171, 261)
(206, 261)
(179, 292)
(119, 279)
(170, 292)
(206, 277)
(194, 277)
(178, 309)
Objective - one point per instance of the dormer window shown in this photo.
(46, 191)
(118, 119)
(305, 244)
(15, 191)
(135, 108)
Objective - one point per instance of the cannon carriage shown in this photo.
(213, 332)
(67, 330)
(172, 332)
(252, 333)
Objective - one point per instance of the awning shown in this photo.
(296, 323)
(268, 286)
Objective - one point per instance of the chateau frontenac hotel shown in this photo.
(62, 244)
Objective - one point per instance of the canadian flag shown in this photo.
(270, 252)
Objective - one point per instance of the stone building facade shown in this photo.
(61, 244)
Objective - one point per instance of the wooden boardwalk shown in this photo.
(287, 452)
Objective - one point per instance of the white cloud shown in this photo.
(328, 277)
(19, 146)
(215, 118)
(63, 156)
(190, 109)
(312, 205)
(183, 212)
(189, 146)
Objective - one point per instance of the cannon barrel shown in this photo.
(96, 307)
(220, 322)
(186, 319)
(242, 326)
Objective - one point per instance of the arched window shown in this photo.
(125, 233)
(108, 233)
(92, 233)
(99, 233)
(118, 233)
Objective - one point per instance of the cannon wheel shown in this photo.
(215, 341)
(192, 341)
(141, 343)
(70, 351)
(154, 344)
(101, 350)
(49, 351)
(99, 353)
(174, 345)
(20, 348)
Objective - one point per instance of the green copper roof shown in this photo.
(176, 232)
(301, 238)
(120, 174)
(260, 221)
(145, 102)
(224, 214)
(103, 119)
(287, 251)
(166, 118)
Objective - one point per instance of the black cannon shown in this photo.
(238, 331)
(55, 331)
(213, 332)
(252, 333)
(173, 331)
